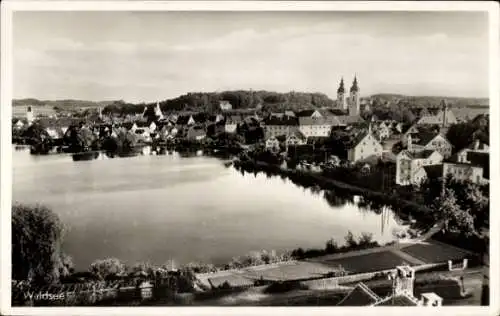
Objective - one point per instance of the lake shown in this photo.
(156, 208)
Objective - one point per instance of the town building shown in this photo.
(232, 122)
(158, 113)
(225, 105)
(444, 117)
(354, 105)
(409, 165)
(317, 126)
(464, 171)
(341, 99)
(402, 294)
(364, 145)
(351, 103)
(296, 138)
(383, 130)
(430, 141)
(273, 143)
(30, 115)
(477, 146)
(196, 133)
(276, 127)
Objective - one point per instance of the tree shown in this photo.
(37, 236)
(350, 240)
(366, 239)
(331, 246)
(455, 219)
(108, 267)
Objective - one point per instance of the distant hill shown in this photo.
(246, 99)
(429, 101)
(62, 104)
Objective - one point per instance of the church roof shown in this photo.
(341, 86)
(354, 87)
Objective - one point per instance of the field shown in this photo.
(368, 262)
(297, 271)
(434, 253)
(300, 270)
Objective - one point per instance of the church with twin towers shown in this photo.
(351, 102)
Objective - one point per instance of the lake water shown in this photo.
(156, 208)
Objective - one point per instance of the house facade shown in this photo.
(364, 145)
(296, 139)
(410, 165)
(276, 127)
(273, 144)
(316, 126)
(464, 171)
(231, 124)
(225, 105)
(429, 141)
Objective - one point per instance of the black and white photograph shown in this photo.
(249, 154)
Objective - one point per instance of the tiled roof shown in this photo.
(349, 119)
(423, 138)
(429, 119)
(357, 139)
(421, 154)
(305, 113)
(283, 121)
(234, 119)
(183, 119)
(329, 120)
(297, 133)
(360, 295)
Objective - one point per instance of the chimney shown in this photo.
(410, 147)
(476, 144)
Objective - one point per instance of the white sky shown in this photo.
(146, 56)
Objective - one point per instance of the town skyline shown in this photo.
(147, 56)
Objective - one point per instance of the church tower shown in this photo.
(29, 115)
(158, 113)
(341, 101)
(354, 98)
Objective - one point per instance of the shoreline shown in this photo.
(326, 183)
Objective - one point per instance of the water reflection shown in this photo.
(142, 209)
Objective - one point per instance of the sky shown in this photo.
(147, 56)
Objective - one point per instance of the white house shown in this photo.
(317, 126)
(225, 105)
(295, 138)
(231, 124)
(429, 140)
(363, 146)
(409, 165)
(273, 144)
(464, 171)
(19, 124)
